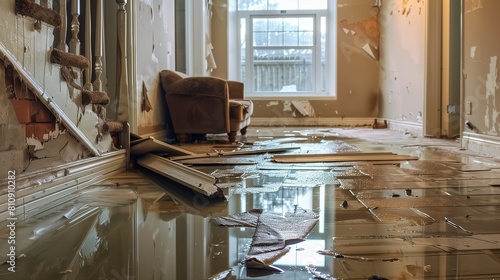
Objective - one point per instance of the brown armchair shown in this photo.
(205, 105)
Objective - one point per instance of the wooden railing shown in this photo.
(93, 27)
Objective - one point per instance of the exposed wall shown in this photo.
(480, 56)
(13, 154)
(402, 60)
(155, 43)
(357, 70)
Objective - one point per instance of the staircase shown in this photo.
(52, 67)
(56, 89)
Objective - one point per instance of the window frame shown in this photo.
(319, 83)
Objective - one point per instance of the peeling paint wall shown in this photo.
(357, 68)
(12, 147)
(402, 60)
(155, 52)
(37, 104)
(481, 52)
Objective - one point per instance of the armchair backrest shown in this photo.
(196, 104)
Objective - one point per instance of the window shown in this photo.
(284, 47)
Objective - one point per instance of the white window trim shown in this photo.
(331, 55)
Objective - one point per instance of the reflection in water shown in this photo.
(445, 227)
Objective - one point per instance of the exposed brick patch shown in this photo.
(40, 113)
(22, 109)
(39, 130)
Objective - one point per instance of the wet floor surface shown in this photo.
(437, 217)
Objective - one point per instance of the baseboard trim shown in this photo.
(328, 122)
(416, 129)
(480, 143)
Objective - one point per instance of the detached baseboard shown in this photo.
(481, 144)
(344, 122)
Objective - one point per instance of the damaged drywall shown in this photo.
(366, 33)
(155, 45)
(472, 5)
(62, 148)
(491, 119)
(402, 60)
(480, 68)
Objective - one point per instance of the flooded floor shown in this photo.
(433, 217)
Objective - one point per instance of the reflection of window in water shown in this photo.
(304, 253)
(284, 200)
(301, 254)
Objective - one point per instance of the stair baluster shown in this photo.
(63, 28)
(74, 43)
(98, 46)
(88, 45)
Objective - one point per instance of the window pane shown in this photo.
(260, 24)
(283, 31)
(282, 70)
(313, 4)
(275, 39)
(290, 39)
(275, 24)
(323, 54)
(243, 38)
(260, 39)
(276, 5)
(306, 39)
(283, 5)
(252, 5)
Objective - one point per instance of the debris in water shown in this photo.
(318, 275)
(376, 277)
(224, 275)
(273, 232)
(356, 258)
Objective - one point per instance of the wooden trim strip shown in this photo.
(189, 177)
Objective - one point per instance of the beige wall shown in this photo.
(481, 51)
(357, 71)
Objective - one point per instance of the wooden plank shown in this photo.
(281, 141)
(236, 153)
(343, 157)
(219, 161)
(189, 177)
(151, 145)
